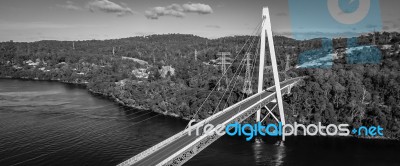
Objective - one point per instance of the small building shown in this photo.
(17, 67)
(32, 63)
(165, 70)
(121, 82)
(386, 47)
(140, 73)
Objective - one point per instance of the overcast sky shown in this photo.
(32, 20)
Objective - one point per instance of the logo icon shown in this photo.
(329, 19)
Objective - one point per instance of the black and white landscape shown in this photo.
(95, 82)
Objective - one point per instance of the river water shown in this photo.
(50, 123)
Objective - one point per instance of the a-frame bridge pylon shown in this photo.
(267, 29)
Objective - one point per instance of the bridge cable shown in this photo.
(241, 68)
(240, 107)
(227, 88)
(241, 65)
(102, 129)
(253, 67)
(221, 78)
(251, 77)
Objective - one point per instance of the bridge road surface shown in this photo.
(163, 153)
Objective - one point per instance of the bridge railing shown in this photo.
(203, 141)
(178, 135)
(186, 131)
(239, 103)
(283, 82)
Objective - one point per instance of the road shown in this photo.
(180, 143)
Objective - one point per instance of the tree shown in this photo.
(8, 52)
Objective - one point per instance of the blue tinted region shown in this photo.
(319, 58)
(362, 54)
(312, 19)
(349, 6)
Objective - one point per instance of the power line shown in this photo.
(257, 28)
(240, 67)
(248, 50)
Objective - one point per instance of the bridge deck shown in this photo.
(163, 153)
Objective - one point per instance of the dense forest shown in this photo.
(173, 74)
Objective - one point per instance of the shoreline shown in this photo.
(110, 97)
(120, 102)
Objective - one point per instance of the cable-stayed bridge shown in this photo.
(182, 146)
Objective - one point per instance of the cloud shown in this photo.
(109, 7)
(213, 26)
(177, 10)
(174, 10)
(197, 8)
(70, 6)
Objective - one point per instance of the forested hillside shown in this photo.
(164, 76)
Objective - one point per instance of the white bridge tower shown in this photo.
(266, 29)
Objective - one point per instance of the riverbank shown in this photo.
(90, 126)
(146, 108)
(140, 107)
(110, 97)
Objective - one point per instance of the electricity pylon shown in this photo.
(247, 79)
(223, 63)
